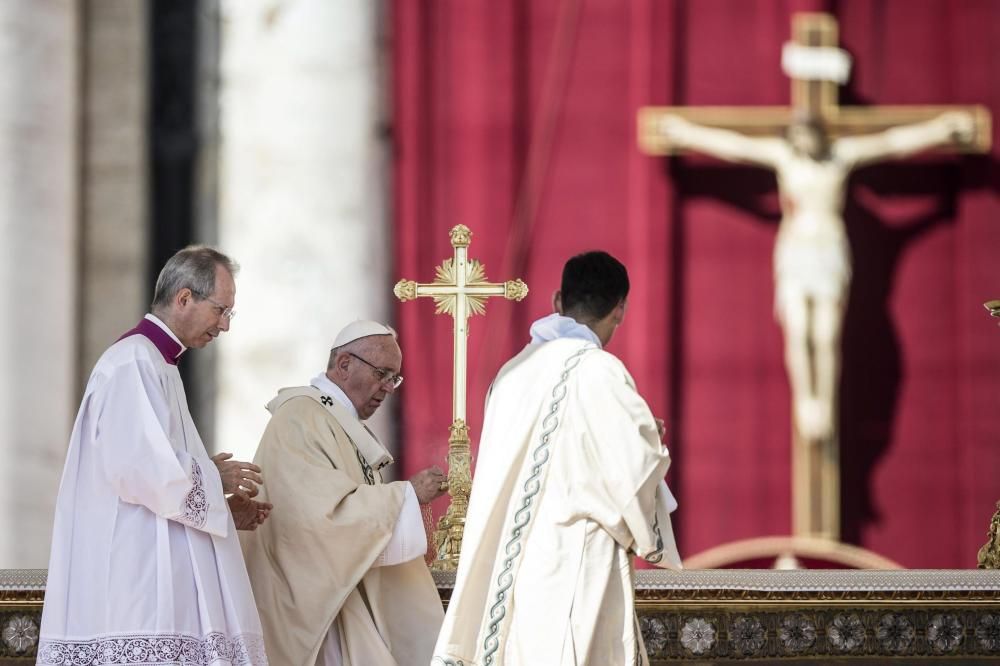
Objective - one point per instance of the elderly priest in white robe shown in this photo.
(145, 566)
(568, 486)
(338, 570)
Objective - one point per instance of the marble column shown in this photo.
(39, 205)
(115, 234)
(303, 196)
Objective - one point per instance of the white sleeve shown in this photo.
(140, 462)
(618, 479)
(665, 554)
(665, 499)
(408, 541)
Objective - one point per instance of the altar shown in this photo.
(711, 616)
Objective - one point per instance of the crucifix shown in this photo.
(460, 289)
(813, 145)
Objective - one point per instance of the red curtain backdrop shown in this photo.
(517, 119)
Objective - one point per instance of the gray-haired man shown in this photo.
(145, 565)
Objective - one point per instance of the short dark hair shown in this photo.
(593, 284)
(192, 268)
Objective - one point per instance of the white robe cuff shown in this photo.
(408, 541)
(666, 498)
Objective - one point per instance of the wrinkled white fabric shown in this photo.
(556, 326)
(145, 562)
(568, 485)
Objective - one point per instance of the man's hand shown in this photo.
(675, 128)
(239, 478)
(661, 428)
(248, 513)
(961, 125)
(429, 484)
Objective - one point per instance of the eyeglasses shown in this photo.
(224, 311)
(385, 375)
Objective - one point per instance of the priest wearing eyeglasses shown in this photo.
(146, 567)
(338, 570)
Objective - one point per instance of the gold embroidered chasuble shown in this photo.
(311, 563)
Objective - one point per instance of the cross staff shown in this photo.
(460, 289)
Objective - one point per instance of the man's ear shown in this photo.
(557, 301)
(340, 363)
(619, 311)
(183, 297)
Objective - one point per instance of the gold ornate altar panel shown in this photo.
(21, 595)
(815, 616)
(723, 615)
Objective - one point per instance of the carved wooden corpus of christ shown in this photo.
(460, 289)
(816, 67)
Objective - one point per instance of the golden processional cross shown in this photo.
(460, 289)
(816, 67)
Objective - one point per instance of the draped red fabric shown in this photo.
(517, 119)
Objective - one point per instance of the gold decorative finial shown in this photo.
(461, 236)
(515, 290)
(405, 290)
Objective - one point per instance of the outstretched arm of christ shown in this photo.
(721, 143)
(949, 129)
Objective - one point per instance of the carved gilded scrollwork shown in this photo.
(405, 290)
(460, 235)
(515, 290)
(989, 554)
(448, 536)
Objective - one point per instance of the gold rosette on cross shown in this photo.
(460, 289)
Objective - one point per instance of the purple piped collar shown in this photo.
(168, 346)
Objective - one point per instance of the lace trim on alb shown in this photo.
(156, 649)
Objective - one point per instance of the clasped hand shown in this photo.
(248, 514)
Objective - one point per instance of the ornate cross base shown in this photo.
(448, 535)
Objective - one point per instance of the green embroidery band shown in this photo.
(523, 515)
(657, 554)
(447, 662)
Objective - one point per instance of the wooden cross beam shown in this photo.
(460, 290)
(814, 97)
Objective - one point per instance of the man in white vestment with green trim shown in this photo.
(568, 487)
